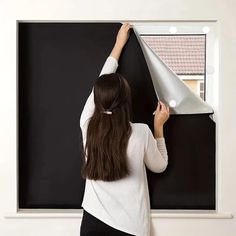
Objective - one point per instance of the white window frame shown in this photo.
(212, 97)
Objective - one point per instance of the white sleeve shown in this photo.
(110, 66)
(155, 156)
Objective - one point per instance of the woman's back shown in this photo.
(124, 204)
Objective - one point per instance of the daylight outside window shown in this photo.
(184, 54)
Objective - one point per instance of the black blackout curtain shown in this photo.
(57, 66)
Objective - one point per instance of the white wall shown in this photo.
(109, 10)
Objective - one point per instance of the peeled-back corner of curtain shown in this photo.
(169, 88)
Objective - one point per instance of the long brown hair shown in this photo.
(105, 152)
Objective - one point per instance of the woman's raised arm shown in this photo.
(110, 66)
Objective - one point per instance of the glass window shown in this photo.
(184, 54)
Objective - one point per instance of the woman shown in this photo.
(116, 199)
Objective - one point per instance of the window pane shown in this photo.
(184, 54)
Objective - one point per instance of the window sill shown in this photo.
(77, 213)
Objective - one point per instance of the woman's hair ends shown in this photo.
(105, 151)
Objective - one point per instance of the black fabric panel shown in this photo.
(189, 180)
(58, 64)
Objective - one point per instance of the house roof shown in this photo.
(184, 54)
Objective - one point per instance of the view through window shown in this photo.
(185, 55)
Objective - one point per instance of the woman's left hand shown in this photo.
(123, 34)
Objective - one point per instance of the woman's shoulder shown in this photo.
(140, 126)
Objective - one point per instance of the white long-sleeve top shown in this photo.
(124, 204)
